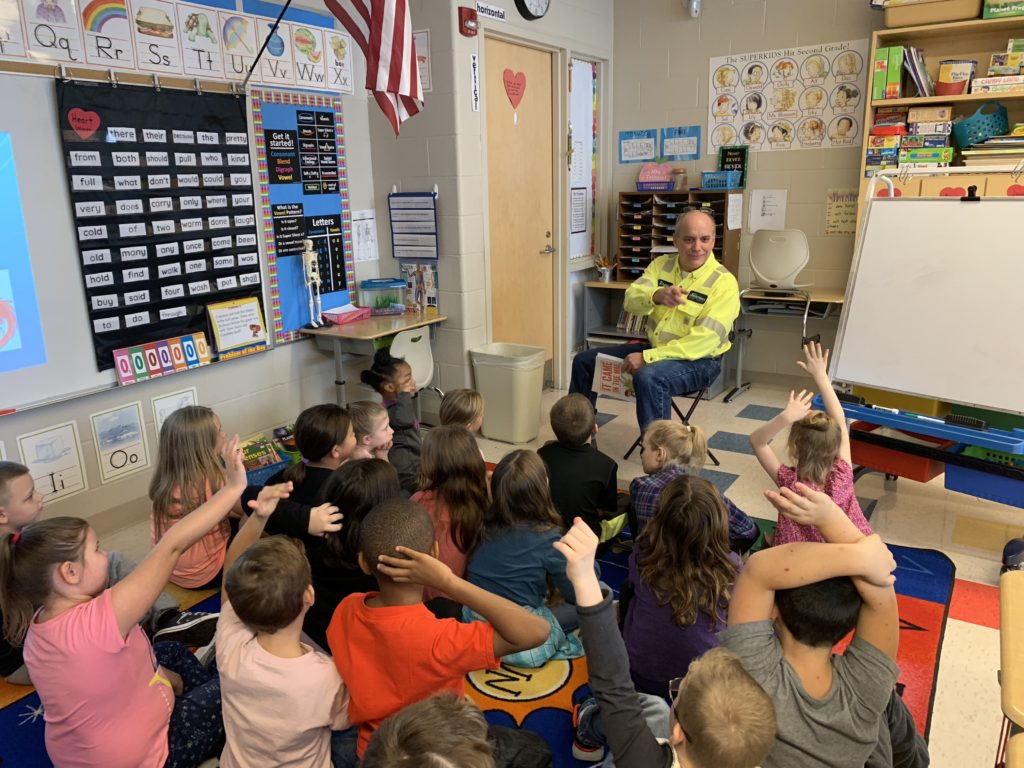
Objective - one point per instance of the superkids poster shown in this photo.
(300, 152)
(805, 97)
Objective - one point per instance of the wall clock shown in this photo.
(533, 9)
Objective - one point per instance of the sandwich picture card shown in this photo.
(156, 36)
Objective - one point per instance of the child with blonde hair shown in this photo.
(372, 428)
(820, 445)
(453, 477)
(463, 408)
(189, 470)
(670, 450)
(112, 700)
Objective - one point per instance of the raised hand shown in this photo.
(265, 504)
(798, 406)
(815, 361)
(578, 547)
(234, 468)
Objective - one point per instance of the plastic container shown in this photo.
(912, 403)
(894, 462)
(720, 179)
(912, 12)
(383, 295)
(1006, 490)
(511, 379)
(990, 119)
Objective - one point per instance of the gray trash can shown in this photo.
(511, 379)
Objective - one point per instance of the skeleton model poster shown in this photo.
(300, 149)
(806, 97)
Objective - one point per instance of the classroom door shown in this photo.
(520, 168)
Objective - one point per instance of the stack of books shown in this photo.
(886, 134)
(630, 323)
(887, 74)
(913, 62)
(998, 150)
(927, 143)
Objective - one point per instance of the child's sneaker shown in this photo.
(586, 745)
(191, 628)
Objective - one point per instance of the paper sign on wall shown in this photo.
(54, 459)
(841, 211)
(165, 405)
(421, 38)
(120, 441)
(680, 143)
(638, 146)
(767, 209)
(52, 30)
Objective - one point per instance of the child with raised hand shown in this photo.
(390, 650)
(112, 700)
(357, 487)
(325, 438)
(682, 573)
(281, 698)
(453, 479)
(189, 470)
(668, 451)
(462, 408)
(392, 378)
(820, 445)
(514, 558)
(372, 428)
(792, 603)
(720, 718)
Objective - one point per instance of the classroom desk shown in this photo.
(356, 339)
(817, 303)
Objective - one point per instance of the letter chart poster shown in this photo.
(808, 97)
(162, 197)
(300, 149)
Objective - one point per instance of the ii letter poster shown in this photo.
(806, 97)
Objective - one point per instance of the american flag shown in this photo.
(383, 30)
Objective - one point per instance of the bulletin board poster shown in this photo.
(162, 200)
(806, 97)
(300, 150)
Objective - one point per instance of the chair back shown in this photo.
(777, 256)
(413, 346)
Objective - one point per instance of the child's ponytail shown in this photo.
(684, 444)
(814, 445)
(382, 370)
(317, 431)
(27, 560)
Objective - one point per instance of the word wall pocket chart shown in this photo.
(162, 197)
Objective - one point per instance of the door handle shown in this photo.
(548, 249)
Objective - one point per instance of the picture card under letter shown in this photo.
(120, 441)
(238, 34)
(107, 29)
(156, 36)
(165, 405)
(12, 38)
(200, 41)
(52, 30)
(54, 459)
(339, 61)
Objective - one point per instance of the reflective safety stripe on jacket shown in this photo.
(695, 329)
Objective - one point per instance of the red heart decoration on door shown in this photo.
(884, 192)
(952, 192)
(1015, 190)
(515, 86)
(82, 122)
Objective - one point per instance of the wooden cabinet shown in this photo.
(647, 221)
(976, 39)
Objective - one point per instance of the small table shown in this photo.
(356, 339)
(777, 303)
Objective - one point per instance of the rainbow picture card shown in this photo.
(107, 32)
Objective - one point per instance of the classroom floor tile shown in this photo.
(759, 412)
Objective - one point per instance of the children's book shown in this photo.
(258, 451)
(610, 380)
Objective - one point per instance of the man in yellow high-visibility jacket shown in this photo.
(691, 302)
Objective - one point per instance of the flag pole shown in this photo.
(266, 40)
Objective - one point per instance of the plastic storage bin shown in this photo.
(911, 403)
(1006, 490)
(908, 13)
(383, 295)
(895, 462)
(511, 379)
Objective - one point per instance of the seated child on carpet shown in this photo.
(819, 443)
(189, 470)
(21, 504)
(390, 650)
(668, 450)
(372, 428)
(281, 698)
(583, 480)
(454, 492)
(462, 408)
(111, 698)
(515, 559)
(720, 717)
(447, 730)
(356, 488)
(682, 573)
(325, 438)
(392, 378)
(791, 604)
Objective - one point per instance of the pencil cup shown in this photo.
(606, 274)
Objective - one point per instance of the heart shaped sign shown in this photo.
(884, 192)
(952, 192)
(515, 86)
(655, 172)
(1015, 190)
(83, 122)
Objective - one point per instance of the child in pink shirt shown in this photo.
(820, 443)
(281, 697)
(111, 700)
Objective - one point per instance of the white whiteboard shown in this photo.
(70, 369)
(933, 305)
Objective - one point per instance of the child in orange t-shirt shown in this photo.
(389, 649)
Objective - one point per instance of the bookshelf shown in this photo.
(975, 39)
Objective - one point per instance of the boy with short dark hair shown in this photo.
(720, 718)
(790, 606)
(281, 698)
(584, 481)
(392, 651)
(21, 504)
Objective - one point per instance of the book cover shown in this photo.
(610, 380)
(954, 76)
(894, 73)
(937, 114)
(258, 451)
(878, 74)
